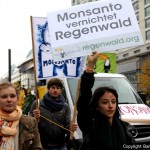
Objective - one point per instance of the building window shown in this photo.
(147, 2)
(148, 48)
(136, 51)
(125, 55)
(147, 11)
(148, 35)
(135, 6)
(131, 76)
(137, 16)
(147, 23)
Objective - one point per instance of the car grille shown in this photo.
(143, 134)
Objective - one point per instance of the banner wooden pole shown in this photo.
(75, 107)
(35, 78)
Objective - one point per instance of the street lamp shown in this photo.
(20, 77)
(9, 65)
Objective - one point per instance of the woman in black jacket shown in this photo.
(98, 114)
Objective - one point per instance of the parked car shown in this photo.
(132, 108)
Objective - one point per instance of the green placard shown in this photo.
(106, 63)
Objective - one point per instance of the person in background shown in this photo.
(98, 114)
(28, 102)
(17, 131)
(54, 117)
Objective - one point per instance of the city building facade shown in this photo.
(22, 73)
(130, 60)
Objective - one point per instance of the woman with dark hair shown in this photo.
(98, 115)
(99, 92)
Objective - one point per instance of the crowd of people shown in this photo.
(48, 123)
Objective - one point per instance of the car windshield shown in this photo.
(126, 93)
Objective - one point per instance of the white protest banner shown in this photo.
(45, 66)
(101, 25)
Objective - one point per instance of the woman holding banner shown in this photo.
(98, 115)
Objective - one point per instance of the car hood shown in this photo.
(135, 113)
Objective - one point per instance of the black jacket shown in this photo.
(51, 134)
(97, 133)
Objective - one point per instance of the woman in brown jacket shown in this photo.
(17, 131)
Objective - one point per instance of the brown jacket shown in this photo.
(29, 138)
